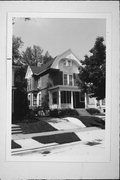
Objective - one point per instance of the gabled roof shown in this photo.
(38, 70)
(63, 56)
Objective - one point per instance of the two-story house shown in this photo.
(57, 77)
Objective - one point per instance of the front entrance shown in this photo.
(78, 100)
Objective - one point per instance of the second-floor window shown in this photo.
(68, 79)
(65, 79)
(68, 62)
(39, 83)
(29, 84)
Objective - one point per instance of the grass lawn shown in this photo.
(14, 145)
(91, 121)
(57, 138)
(36, 127)
(41, 124)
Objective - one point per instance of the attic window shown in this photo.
(67, 62)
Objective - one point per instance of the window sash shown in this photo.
(65, 79)
(70, 80)
(66, 97)
(54, 97)
(39, 99)
(34, 99)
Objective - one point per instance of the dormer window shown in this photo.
(67, 62)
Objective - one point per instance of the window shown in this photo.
(29, 99)
(39, 83)
(67, 62)
(65, 79)
(103, 102)
(75, 79)
(66, 97)
(54, 95)
(29, 84)
(39, 96)
(34, 99)
(70, 80)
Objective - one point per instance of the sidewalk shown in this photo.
(89, 136)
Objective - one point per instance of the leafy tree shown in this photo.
(92, 72)
(17, 43)
(27, 56)
(20, 94)
(47, 57)
(32, 56)
(37, 54)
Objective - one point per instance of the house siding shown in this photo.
(44, 81)
(68, 69)
(56, 78)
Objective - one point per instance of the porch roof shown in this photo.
(64, 88)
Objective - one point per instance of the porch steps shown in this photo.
(83, 112)
(16, 129)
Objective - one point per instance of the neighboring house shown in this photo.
(93, 103)
(57, 79)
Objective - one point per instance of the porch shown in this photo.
(66, 97)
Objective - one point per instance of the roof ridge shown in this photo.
(64, 52)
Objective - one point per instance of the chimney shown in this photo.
(39, 64)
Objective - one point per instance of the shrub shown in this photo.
(63, 112)
(20, 105)
(93, 111)
(68, 112)
(54, 113)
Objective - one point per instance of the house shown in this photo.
(55, 81)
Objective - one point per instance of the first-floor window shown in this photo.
(39, 96)
(66, 97)
(103, 102)
(34, 99)
(54, 96)
(29, 98)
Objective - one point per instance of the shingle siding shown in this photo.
(56, 77)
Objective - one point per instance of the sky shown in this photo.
(56, 35)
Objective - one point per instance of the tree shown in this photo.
(92, 72)
(32, 56)
(20, 94)
(17, 43)
(47, 57)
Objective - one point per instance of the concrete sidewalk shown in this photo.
(89, 136)
(27, 136)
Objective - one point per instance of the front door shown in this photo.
(78, 100)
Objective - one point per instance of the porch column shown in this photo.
(72, 99)
(86, 100)
(59, 99)
(96, 104)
